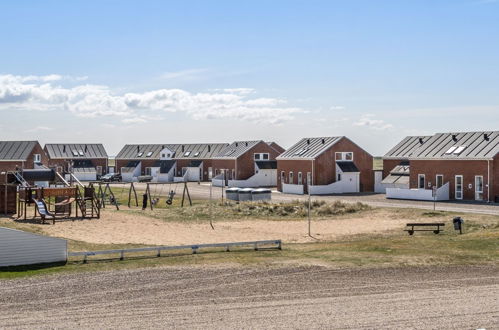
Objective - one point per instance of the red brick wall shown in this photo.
(246, 162)
(296, 166)
(388, 165)
(495, 179)
(29, 163)
(449, 169)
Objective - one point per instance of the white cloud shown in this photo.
(86, 100)
(191, 74)
(39, 129)
(337, 107)
(368, 121)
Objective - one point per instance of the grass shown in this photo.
(478, 245)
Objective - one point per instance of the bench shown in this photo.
(436, 225)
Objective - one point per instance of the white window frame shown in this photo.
(283, 177)
(37, 158)
(309, 178)
(261, 156)
(290, 177)
(436, 180)
(455, 187)
(300, 178)
(476, 188)
(343, 156)
(419, 181)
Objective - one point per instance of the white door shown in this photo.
(459, 187)
(479, 188)
(439, 180)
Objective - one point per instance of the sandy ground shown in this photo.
(256, 298)
(120, 227)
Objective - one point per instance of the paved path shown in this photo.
(256, 298)
(378, 200)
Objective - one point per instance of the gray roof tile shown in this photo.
(75, 151)
(405, 148)
(16, 150)
(310, 147)
(236, 149)
(182, 151)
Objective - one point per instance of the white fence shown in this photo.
(23, 248)
(264, 178)
(442, 193)
(255, 244)
(296, 189)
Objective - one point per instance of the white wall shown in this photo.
(349, 183)
(292, 188)
(166, 177)
(132, 176)
(419, 194)
(264, 178)
(22, 248)
(86, 176)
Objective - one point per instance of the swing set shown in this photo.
(151, 198)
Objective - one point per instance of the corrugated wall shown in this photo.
(22, 248)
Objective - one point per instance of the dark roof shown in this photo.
(75, 151)
(236, 149)
(310, 148)
(16, 150)
(82, 163)
(181, 151)
(266, 164)
(132, 164)
(276, 147)
(166, 165)
(405, 148)
(195, 163)
(463, 145)
(347, 166)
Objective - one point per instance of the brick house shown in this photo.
(87, 161)
(396, 167)
(246, 164)
(328, 165)
(21, 155)
(168, 162)
(455, 166)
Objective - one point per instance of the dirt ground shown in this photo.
(464, 297)
(122, 227)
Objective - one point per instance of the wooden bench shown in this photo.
(425, 224)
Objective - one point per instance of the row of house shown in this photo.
(444, 166)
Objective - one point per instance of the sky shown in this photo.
(117, 72)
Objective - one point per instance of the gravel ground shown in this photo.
(257, 297)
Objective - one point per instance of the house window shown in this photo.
(439, 179)
(338, 177)
(261, 156)
(148, 171)
(37, 158)
(309, 178)
(283, 176)
(343, 156)
(421, 181)
(290, 177)
(233, 174)
(140, 154)
(149, 154)
(187, 153)
(300, 179)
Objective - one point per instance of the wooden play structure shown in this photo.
(59, 200)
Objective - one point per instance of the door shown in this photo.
(99, 170)
(459, 187)
(479, 188)
(210, 173)
(439, 180)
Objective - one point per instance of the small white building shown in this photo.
(23, 248)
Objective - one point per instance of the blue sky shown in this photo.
(215, 71)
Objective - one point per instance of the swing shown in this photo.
(171, 194)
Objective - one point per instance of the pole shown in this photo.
(211, 205)
(309, 202)
(223, 185)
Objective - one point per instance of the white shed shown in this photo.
(23, 248)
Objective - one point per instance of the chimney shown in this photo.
(246, 143)
(138, 149)
(454, 137)
(86, 148)
(162, 147)
(64, 148)
(323, 141)
(308, 141)
(236, 144)
(420, 140)
(182, 148)
(209, 148)
(486, 137)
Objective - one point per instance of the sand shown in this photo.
(121, 228)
